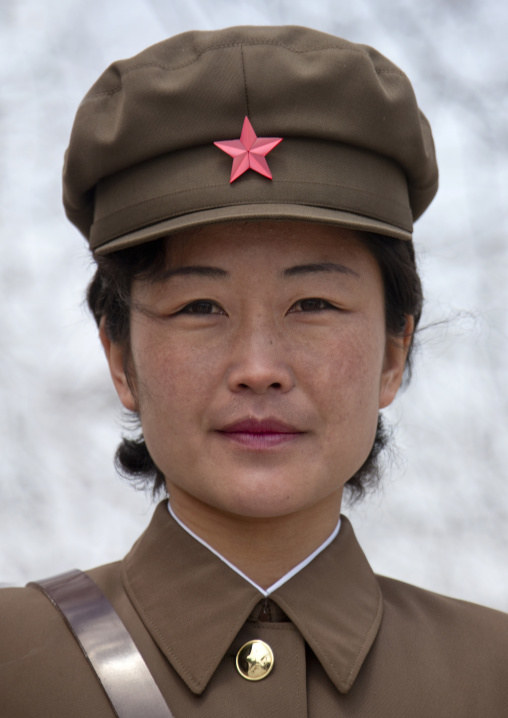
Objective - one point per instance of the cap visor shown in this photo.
(300, 213)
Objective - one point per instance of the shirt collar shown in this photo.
(264, 592)
(193, 604)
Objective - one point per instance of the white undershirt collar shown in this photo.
(277, 584)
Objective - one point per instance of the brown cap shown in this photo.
(356, 150)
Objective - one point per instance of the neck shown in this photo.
(265, 548)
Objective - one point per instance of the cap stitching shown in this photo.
(245, 82)
(200, 208)
(211, 186)
(91, 95)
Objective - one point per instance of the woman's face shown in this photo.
(258, 365)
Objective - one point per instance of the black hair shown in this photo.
(108, 298)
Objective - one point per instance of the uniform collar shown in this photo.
(193, 604)
(283, 579)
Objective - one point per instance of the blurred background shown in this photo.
(441, 517)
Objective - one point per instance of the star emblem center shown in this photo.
(249, 151)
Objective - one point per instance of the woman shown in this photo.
(248, 195)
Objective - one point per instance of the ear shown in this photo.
(115, 356)
(394, 362)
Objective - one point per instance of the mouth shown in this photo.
(260, 433)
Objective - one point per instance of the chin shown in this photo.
(262, 502)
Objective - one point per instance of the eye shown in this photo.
(312, 304)
(202, 306)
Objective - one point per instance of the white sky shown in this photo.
(441, 519)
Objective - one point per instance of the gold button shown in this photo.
(254, 660)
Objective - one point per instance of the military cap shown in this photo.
(333, 134)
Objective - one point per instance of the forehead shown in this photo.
(279, 242)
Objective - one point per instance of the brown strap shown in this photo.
(106, 644)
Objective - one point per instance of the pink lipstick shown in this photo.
(260, 433)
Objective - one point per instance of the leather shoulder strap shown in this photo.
(106, 644)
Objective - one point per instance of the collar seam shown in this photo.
(345, 681)
(372, 629)
(147, 618)
(196, 685)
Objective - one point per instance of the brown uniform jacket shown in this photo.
(346, 642)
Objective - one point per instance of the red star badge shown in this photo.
(249, 151)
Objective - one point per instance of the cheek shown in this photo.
(346, 381)
(346, 370)
(171, 376)
(350, 393)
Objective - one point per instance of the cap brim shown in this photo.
(288, 212)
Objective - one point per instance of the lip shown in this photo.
(268, 425)
(259, 434)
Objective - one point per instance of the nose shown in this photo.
(260, 361)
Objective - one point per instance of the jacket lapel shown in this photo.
(194, 605)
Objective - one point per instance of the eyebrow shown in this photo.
(217, 273)
(318, 267)
(193, 270)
